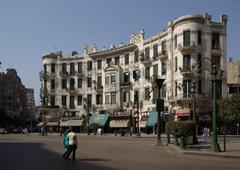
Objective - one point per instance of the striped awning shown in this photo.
(183, 112)
(119, 123)
(71, 123)
(52, 124)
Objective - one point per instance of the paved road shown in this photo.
(33, 152)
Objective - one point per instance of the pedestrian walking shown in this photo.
(65, 143)
(205, 135)
(72, 144)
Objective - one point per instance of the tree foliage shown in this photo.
(229, 109)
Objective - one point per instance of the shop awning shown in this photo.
(68, 123)
(183, 112)
(142, 124)
(119, 123)
(101, 119)
(52, 124)
(152, 120)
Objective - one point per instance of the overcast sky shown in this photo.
(31, 28)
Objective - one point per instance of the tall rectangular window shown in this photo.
(99, 99)
(147, 73)
(186, 88)
(126, 96)
(64, 100)
(186, 38)
(64, 83)
(155, 70)
(89, 82)
(71, 104)
(147, 93)
(80, 100)
(79, 67)
(136, 56)
(72, 69)
(52, 68)
(164, 47)
(99, 64)
(113, 98)
(113, 78)
(175, 40)
(45, 69)
(176, 64)
(79, 83)
(199, 86)
(99, 81)
(147, 53)
(107, 98)
(108, 60)
(117, 60)
(186, 62)
(199, 37)
(199, 63)
(89, 65)
(64, 68)
(72, 83)
(89, 100)
(155, 50)
(107, 80)
(126, 58)
(52, 84)
(215, 41)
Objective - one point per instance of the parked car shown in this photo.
(3, 131)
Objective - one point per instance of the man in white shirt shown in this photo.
(72, 143)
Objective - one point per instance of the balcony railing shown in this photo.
(126, 83)
(188, 46)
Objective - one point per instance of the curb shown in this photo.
(220, 155)
(212, 154)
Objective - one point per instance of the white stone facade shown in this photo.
(173, 55)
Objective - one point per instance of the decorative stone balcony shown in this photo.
(187, 47)
(186, 71)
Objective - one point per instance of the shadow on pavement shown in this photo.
(29, 156)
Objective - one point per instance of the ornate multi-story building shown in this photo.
(112, 79)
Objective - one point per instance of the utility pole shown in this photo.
(215, 144)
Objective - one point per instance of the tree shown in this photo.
(229, 113)
(229, 110)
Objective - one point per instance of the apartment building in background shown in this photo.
(114, 79)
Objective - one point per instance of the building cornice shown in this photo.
(114, 51)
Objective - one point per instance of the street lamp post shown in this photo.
(87, 115)
(160, 108)
(215, 144)
(194, 110)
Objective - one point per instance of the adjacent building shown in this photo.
(120, 80)
(14, 97)
(233, 76)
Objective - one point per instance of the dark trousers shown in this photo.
(67, 151)
(72, 149)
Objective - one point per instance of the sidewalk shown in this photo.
(232, 148)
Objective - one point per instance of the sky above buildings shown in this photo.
(31, 28)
